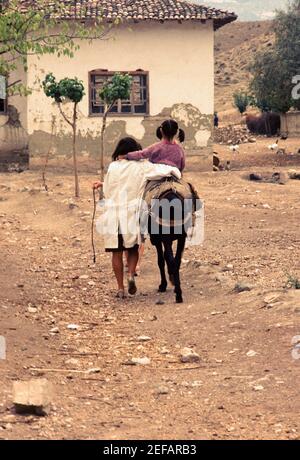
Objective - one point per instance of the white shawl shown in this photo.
(123, 189)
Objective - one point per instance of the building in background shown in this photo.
(168, 48)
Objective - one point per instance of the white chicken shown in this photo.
(274, 147)
(235, 148)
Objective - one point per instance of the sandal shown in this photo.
(121, 294)
(132, 289)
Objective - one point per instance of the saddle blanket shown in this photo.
(157, 189)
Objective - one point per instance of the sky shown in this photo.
(248, 10)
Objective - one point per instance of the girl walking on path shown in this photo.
(123, 189)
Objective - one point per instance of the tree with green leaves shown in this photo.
(38, 28)
(274, 69)
(241, 101)
(271, 86)
(117, 88)
(64, 91)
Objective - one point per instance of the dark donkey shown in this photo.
(170, 217)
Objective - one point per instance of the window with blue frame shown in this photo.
(137, 104)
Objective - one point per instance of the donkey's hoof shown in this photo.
(163, 288)
(179, 299)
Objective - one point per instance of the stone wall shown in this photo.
(290, 124)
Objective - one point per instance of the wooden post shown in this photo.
(73, 125)
(107, 109)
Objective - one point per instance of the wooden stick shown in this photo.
(165, 368)
(79, 354)
(17, 421)
(59, 370)
(182, 368)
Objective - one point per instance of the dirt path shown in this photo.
(46, 265)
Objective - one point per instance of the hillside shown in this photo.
(235, 47)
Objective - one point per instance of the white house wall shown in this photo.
(180, 62)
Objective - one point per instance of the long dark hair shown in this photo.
(124, 146)
(170, 128)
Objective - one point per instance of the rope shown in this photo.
(93, 223)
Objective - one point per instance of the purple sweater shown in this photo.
(164, 152)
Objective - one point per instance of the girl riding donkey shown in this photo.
(168, 151)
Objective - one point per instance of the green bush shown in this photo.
(241, 101)
(67, 88)
(293, 282)
(118, 88)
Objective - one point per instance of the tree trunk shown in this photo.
(286, 124)
(74, 126)
(48, 154)
(102, 139)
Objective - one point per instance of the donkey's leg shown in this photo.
(179, 252)
(178, 258)
(173, 269)
(169, 258)
(161, 263)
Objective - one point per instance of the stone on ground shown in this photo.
(243, 287)
(140, 361)
(33, 396)
(294, 174)
(188, 355)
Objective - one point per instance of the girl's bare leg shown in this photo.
(141, 254)
(126, 259)
(133, 257)
(118, 267)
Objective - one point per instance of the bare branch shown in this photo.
(64, 115)
(14, 83)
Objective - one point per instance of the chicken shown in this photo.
(274, 146)
(234, 148)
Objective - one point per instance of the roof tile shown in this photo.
(140, 10)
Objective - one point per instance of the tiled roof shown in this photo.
(141, 10)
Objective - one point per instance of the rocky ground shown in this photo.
(61, 320)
